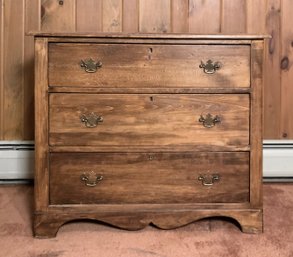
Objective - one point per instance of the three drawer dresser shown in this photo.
(142, 129)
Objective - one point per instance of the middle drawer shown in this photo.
(148, 120)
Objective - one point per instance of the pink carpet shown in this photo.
(212, 237)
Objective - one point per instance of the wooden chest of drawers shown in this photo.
(140, 129)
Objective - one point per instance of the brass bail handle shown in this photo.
(210, 67)
(90, 66)
(90, 179)
(91, 120)
(208, 180)
(209, 120)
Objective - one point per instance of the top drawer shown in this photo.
(149, 66)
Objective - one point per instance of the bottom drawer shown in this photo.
(126, 178)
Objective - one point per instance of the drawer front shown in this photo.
(148, 120)
(128, 178)
(151, 66)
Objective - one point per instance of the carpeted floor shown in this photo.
(211, 237)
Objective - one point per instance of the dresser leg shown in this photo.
(46, 226)
(252, 223)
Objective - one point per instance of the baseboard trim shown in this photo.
(17, 160)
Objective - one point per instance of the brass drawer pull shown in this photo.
(92, 120)
(209, 67)
(90, 65)
(209, 121)
(208, 180)
(90, 179)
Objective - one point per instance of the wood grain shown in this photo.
(142, 65)
(236, 17)
(212, 39)
(46, 225)
(286, 66)
(256, 124)
(32, 16)
(56, 17)
(204, 16)
(145, 90)
(130, 19)
(272, 72)
(13, 70)
(140, 120)
(89, 15)
(256, 16)
(41, 125)
(233, 17)
(148, 146)
(32, 23)
(166, 178)
(112, 15)
(154, 16)
(179, 16)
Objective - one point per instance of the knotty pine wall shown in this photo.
(161, 16)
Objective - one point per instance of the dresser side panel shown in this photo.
(256, 124)
(41, 124)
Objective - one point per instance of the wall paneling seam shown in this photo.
(221, 16)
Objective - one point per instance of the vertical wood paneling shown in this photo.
(32, 23)
(255, 16)
(179, 16)
(154, 16)
(233, 18)
(286, 65)
(158, 16)
(204, 16)
(272, 74)
(1, 69)
(56, 17)
(130, 16)
(89, 15)
(13, 70)
(32, 15)
(112, 15)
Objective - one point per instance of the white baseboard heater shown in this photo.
(17, 159)
(278, 159)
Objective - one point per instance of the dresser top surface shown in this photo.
(151, 35)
